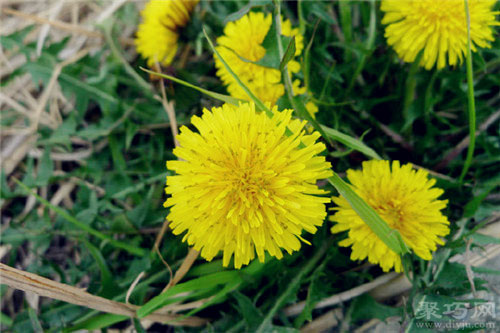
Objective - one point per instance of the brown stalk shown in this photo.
(465, 142)
(30, 282)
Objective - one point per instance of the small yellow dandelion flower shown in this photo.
(243, 186)
(405, 199)
(157, 35)
(312, 109)
(243, 38)
(439, 28)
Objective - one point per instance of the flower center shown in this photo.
(392, 212)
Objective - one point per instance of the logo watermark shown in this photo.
(456, 315)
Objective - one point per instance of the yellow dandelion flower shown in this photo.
(157, 35)
(405, 199)
(312, 109)
(439, 28)
(243, 38)
(243, 186)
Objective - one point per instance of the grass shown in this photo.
(82, 192)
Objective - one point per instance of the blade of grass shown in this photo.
(106, 29)
(250, 94)
(220, 97)
(471, 101)
(205, 282)
(390, 237)
(97, 322)
(350, 142)
(370, 42)
(35, 323)
(346, 24)
(127, 247)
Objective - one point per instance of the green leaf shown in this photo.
(482, 240)
(108, 286)
(472, 206)
(365, 308)
(78, 86)
(214, 95)
(5, 321)
(35, 323)
(125, 246)
(289, 54)
(45, 168)
(205, 282)
(137, 325)
(245, 9)
(292, 288)
(350, 142)
(390, 237)
(272, 57)
(116, 154)
(130, 131)
(314, 295)
(248, 310)
(97, 322)
(453, 280)
(139, 213)
(5, 191)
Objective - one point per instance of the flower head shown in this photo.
(243, 39)
(405, 199)
(157, 35)
(243, 186)
(439, 28)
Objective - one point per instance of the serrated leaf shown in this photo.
(130, 248)
(472, 206)
(245, 9)
(365, 307)
(289, 54)
(314, 294)
(248, 310)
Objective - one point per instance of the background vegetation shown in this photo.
(85, 129)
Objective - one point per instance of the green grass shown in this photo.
(371, 105)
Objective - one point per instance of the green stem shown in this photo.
(471, 101)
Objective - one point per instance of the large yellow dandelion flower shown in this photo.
(439, 28)
(243, 38)
(243, 186)
(157, 34)
(405, 199)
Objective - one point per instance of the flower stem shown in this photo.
(471, 101)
